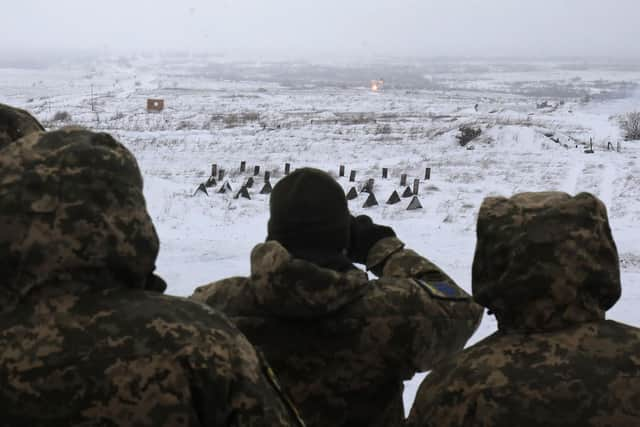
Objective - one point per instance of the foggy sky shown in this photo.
(308, 28)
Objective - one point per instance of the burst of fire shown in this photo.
(377, 85)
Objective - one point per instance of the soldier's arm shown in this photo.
(389, 258)
(440, 314)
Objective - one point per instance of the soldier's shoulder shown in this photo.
(622, 340)
(631, 331)
(177, 321)
(467, 373)
(189, 310)
(225, 294)
(504, 358)
(513, 372)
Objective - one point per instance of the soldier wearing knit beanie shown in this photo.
(340, 343)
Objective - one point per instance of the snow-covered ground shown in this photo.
(326, 116)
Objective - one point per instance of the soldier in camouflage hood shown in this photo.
(546, 265)
(87, 338)
(340, 343)
(16, 123)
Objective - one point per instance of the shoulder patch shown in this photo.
(443, 290)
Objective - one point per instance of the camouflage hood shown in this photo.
(545, 259)
(16, 123)
(71, 203)
(294, 288)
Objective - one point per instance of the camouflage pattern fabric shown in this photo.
(71, 200)
(545, 259)
(340, 343)
(84, 341)
(551, 258)
(16, 123)
(582, 376)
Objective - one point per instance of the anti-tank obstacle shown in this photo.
(218, 174)
(414, 204)
(371, 201)
(394, 198)
(352, 194)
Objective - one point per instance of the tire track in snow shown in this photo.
(571, 180)
(606, 184)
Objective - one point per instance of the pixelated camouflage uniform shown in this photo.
(84, 340)
(547, 266)
(16, 123)
(340, 343)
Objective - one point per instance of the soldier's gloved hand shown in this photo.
(365, 234)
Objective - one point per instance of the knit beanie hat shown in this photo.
(309, 210)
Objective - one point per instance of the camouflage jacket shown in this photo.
(585, 375)
(98, 354)
(340, 343)
(85, 338)
(546, 265)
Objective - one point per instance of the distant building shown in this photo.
(155, 104)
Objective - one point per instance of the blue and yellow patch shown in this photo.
(443, 290)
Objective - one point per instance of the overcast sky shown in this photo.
(322, 27)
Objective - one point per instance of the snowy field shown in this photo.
(536, 118)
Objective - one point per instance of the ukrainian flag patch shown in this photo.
(442, 290)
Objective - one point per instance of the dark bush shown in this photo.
(62, 116)
(232, 120)
(630, 125)
(467, 134)
(383, 130)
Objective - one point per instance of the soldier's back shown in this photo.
(340, 343)
(119, 357)
(333, 365)
(586, 375)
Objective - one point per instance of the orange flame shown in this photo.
(376, 85)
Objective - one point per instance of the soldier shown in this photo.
(87, 337)
(546, 265)
(16, 123)
(340, 343)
